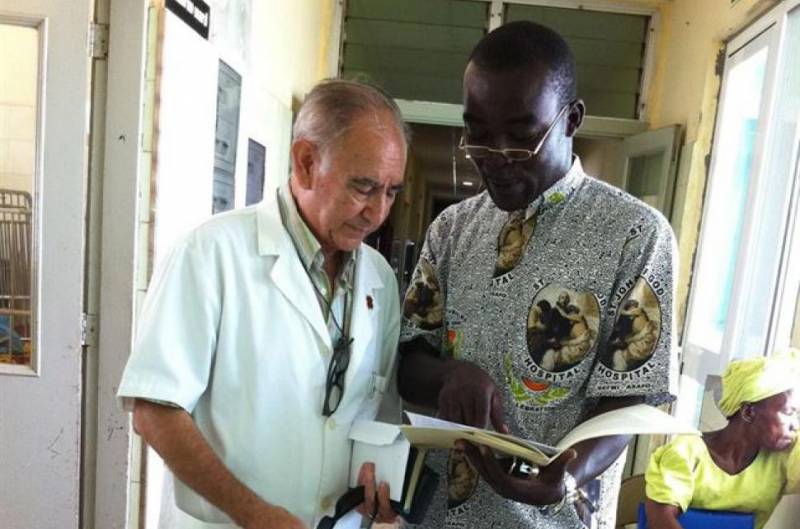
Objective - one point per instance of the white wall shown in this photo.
(186, 125)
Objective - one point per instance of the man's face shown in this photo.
(349, 186)
(513, 109)
(776, 421)
(563, 299)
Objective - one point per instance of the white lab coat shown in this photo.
(232, 332)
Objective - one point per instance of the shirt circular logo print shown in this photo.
(423, 304)
(562, 327)
(531, 393)
(636, 329)
(462, 479)
(512, 241)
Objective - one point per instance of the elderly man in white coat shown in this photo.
(268, 330)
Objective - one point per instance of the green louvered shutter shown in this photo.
(609, 52)
(415, 49)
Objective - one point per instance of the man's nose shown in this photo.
(494, 160)
(377, 208)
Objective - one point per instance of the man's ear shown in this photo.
(305, 158)
(575, 117)
(748, 412)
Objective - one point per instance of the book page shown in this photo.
(425, 421)
(429, 432)
(545, 449)
(640, 419)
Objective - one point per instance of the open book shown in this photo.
(428, 432)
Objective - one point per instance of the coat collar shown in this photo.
(289, 277)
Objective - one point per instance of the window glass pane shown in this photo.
(726, 208)
(794, 339)
(772, 209)
(19, 63)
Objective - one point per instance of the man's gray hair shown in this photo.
(329, 109)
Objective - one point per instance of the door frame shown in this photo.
(109, 499)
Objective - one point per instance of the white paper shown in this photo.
(640, 419)
(429, 432)
(424, 421)
(377, 433)
(381, 444)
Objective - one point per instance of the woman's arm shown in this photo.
(662, 516)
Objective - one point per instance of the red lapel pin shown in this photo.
(369, 302)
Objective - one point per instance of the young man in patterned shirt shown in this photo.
(527, 287)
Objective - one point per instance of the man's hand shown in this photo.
(384, 512)
(469, 396)
(461, 391)
(546, 488)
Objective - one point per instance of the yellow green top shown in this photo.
(683, 474)
(793, 472)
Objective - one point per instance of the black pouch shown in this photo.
(419, 487)
(420, 484)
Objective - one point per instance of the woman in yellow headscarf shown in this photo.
(742, 467)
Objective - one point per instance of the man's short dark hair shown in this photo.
(523, 44)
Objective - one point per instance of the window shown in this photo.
(745, 283)
(419, 53)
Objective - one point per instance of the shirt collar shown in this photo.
(559, 191)
(307, 245)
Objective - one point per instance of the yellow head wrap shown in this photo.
(756, 379)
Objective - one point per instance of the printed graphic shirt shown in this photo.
(562, 303)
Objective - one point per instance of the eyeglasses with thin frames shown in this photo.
(337, 369)
(512, 155)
